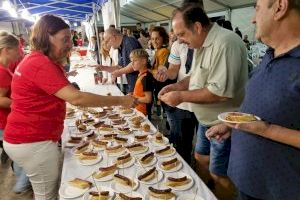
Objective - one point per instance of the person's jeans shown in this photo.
(218, 152)
(182, 128)
(41, 161)
(22, 180)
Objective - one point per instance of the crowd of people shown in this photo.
(192, 74)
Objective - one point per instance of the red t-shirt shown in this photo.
(36, 114)
(5, 81)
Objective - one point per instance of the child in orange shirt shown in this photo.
(144, 84)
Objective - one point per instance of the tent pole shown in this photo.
(95, 12)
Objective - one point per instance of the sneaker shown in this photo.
(23, 190)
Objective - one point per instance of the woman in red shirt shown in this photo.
(9, 53)
(39, 92)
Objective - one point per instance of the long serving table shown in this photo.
(73, 169)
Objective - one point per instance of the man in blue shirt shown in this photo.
(265, 155)
(125, 45)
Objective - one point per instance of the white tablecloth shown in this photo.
(72, 169)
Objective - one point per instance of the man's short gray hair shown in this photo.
(113, 31)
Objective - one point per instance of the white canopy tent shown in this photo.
(159, 11)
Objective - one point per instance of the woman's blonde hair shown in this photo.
(139, 53)
(104, 49)
(8, 40)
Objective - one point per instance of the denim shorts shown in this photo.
(218, 151)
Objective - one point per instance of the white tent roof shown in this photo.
(160, 10)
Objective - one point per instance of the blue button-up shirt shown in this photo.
(260, 167)
(128, 44)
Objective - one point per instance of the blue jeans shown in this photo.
(218, 151)
(182, 127)
(22, 179)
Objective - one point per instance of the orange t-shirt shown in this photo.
(160, 58)
(144, 83)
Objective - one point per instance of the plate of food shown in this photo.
(169, 165)
(130, 195)
(179, 181)
(100, 145)
(89, 158)
(127, 112)
(149, 176)
(136, 118)
(237, 117)
(82, 147)
(162, 192)
(99, 193)
(74, 188)
(125, 161)
(147, 129)
(146, 160)
(116, 150)
(141, 138)
(165, 151)
(159, 140)
(124, 184)
(123, 130)
(73, 141)
(137, 148)
(105, 173)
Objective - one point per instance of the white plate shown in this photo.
(146, 165)
(69, 192)
(122, 188)
(131, 194)
(190, 197)
(81, 134)
(154, 143)
(101, 148)
(142, 120)
(87, 196)
(222, 117)
(139, 152)
(127, 115)
(183, 187)
(134, 129)
(178, 167)
(122, 133)
(158, 186)
(77, 154)
(148, 197)
(155, 180)
(128, 164)
(106, 178)
(166, 155)
(71, 144)
(101, 132)
(129, 141)
(120, 125)
(90, 162)
(116, 154)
